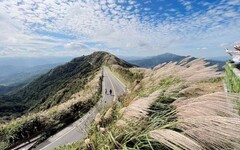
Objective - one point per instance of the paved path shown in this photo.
(78, 130)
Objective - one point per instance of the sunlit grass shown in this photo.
(175, 106)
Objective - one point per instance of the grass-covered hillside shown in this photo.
(172, 106)
(56, 86)
(55, 99)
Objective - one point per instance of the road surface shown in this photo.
(78, 130)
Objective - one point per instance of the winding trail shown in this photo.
(78, 130)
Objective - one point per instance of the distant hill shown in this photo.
(151, 62)
(57, 85)
(155, 60)
(127, 58)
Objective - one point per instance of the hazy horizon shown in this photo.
(47, 60)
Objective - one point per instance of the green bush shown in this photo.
(232, 80)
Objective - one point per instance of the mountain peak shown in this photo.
(159, 59)
(101, 53)
(100, 58)
(168, 54)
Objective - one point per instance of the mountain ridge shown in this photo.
(153, 61)
(57, 85)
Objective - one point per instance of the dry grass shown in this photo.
(207, 122)
(213, 132)
(206, 116)
(211, 120)
(102, 130)
(215, 104)
(193, 71)
(121, 123)
(174, 140)
(194, 77)
(139, 108)
(108, 114)
(98, 118)
(89, 144)
(201, 88)
(185, 61)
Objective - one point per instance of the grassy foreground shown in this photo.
(174, 106)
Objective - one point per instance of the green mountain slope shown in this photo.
(56, 86)
(64, 95)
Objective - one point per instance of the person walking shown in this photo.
(110, 91)
(106, 91)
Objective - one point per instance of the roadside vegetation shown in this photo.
(46, 123)
(232, 80)
(54, 100)
(173, 106)
(127, 75)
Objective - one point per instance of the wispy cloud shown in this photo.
(122, 26)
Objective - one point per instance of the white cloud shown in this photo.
(187, 4)
(76, 46)
(114, 25)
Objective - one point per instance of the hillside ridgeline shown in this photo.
(56, 86)
(55, 99)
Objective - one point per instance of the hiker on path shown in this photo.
(110, 92)
(106, 91)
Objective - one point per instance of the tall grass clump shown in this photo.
(135, 134)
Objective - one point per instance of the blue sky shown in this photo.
(38, 28)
